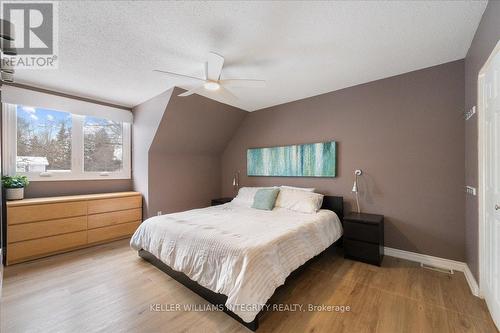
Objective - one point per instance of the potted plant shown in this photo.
(14, 186)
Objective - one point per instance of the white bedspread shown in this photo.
(241, 252)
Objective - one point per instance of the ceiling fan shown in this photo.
(212, 81)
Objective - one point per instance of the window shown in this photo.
(102, 145)
(43, 140)
(46, 144)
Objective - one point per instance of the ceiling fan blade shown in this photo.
(177, 74)
(214, 67)
(243, 83)
(191, 91)
(226, 94)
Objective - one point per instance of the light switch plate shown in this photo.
(470, 190)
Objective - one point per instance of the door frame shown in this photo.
(481, 173)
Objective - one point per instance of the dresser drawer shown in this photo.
(112, 218)
(39, 227)
(362, 231)
(112, 232)
(114, 204)
(363, 251)
(44, 246)
(25, 231)
(24, 214)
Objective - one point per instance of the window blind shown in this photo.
(26, 97)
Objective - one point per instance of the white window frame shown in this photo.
(9, 129)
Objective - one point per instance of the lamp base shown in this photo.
(357, 203)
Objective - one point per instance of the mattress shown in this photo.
(243, 253)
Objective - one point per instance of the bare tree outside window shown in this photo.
(43, 140)
(103, 145)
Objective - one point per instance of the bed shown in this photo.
(237, 256)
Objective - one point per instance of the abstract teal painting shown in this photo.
(307, 160)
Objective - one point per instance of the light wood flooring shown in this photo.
(108, 288)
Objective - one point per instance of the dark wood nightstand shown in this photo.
(220, 201)
(364, 237)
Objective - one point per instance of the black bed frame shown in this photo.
(333, 203)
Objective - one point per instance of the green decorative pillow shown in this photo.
(265, 198)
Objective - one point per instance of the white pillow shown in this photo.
(246, 195)
(308, 189)
(299, 200)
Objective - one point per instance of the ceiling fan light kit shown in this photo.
(212, 81)
(211, 85)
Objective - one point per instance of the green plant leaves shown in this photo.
(15, 181)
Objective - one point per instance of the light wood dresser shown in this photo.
(44, 226)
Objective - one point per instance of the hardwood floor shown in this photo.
(108, 288)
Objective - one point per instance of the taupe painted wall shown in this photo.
(182, 182)
(485, 39)
(75, 187)
(406, 133)
(179, 168)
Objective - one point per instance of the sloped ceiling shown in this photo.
(195, 125)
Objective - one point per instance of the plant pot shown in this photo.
(14, 193)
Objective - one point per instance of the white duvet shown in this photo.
(243, 253)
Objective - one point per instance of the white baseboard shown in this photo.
(471, 280)
(437, 262)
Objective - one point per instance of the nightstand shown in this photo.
(364, 237)
(220, 201)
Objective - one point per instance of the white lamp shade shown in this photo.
(355, 187)
(7, 30)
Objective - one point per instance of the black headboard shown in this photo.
(335, 204)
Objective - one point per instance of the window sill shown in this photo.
(59, 177)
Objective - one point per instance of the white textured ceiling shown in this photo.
(108, 49)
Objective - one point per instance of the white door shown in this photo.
(489, 107)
